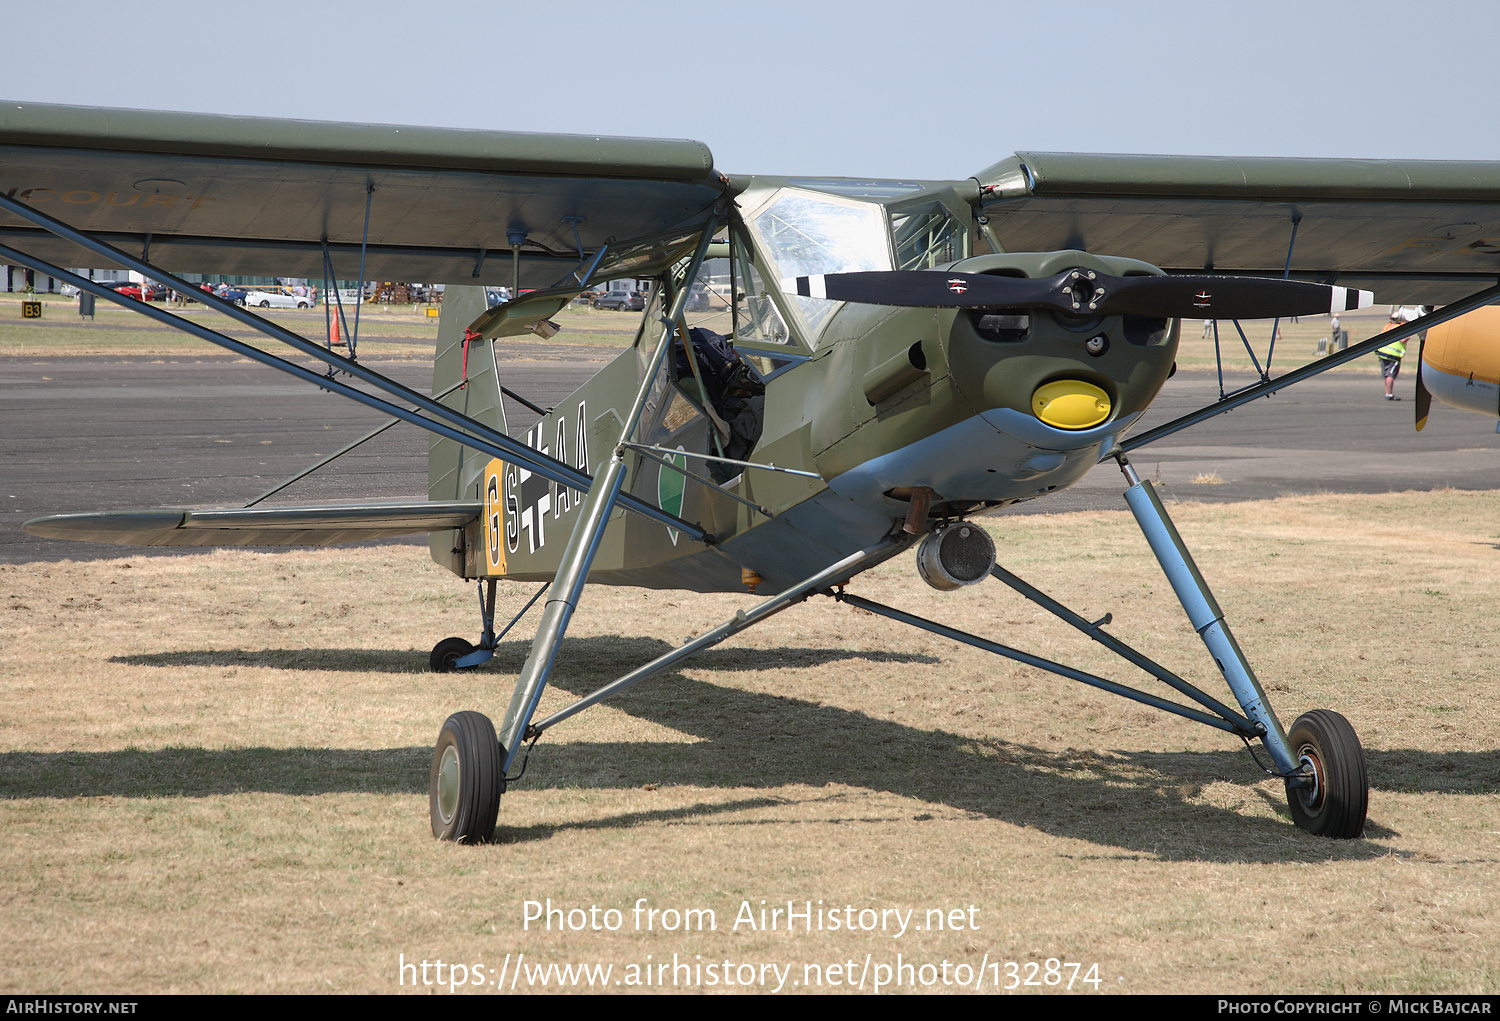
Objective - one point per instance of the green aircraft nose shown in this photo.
(1068, 372)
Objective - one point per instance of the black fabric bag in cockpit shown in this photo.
(736, 391)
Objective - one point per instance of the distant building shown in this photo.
(18, 278)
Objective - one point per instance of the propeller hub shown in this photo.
(1083, 290)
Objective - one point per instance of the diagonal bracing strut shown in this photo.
(844, 569)
(1232, 723)
(1452, 310)
(290, 368)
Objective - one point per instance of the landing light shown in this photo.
(1070, 404)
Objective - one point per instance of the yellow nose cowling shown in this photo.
(1070, 404)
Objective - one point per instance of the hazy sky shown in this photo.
(923, 89)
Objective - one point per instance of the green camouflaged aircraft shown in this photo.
(906, 356)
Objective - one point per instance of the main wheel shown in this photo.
(463, 794)
(265, 304)
(447, 653)
(1336, 804)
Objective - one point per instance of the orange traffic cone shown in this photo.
(334, 341)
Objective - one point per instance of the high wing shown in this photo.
(258, 526)
(253, 196)
(1414, 232)
(258, 196)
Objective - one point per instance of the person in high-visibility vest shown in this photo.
(1390, 358)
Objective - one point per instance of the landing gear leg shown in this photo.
(578, 555)
(1324, 757)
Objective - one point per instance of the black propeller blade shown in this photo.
(1086, 292)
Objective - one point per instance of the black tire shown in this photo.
(265, 304)
(447, 653)
(463, 793)
(302, 304)
(1337, 805)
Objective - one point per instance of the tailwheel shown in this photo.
(1335, 803)
(467, 780)
(447, 653)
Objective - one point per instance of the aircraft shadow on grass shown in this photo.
(593, 655)
(1143, 803)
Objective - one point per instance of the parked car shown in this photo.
(127, 288)
(623, 301)
(275, 299)
(153, 292)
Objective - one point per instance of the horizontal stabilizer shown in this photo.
(257, 526)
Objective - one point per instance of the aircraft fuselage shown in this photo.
(985, 408)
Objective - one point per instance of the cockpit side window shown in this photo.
(756, 317)
(710, 297)
(927, 237)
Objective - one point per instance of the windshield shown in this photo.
(807, 234)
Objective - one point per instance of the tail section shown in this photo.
(453, 471)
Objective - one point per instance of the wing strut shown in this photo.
(1488, 296)
(476, 434)
(321, 462)
(1264, 374)
(1286, 274)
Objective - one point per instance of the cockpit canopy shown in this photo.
(810, 227)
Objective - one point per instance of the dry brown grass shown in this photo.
(214, 767)
(1297, 346)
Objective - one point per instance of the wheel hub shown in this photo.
(1312, 794)
(448, 780)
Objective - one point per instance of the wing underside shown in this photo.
(1414, 232)
(269, 526)
(251, 196)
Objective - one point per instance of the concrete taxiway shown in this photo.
(81, 433)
